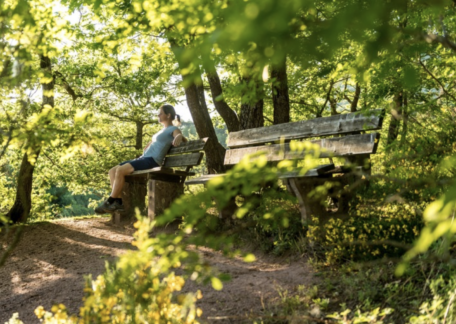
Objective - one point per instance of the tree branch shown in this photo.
(354, 104)
(67, 86)
(328, 94)
(268, 119)
(436, 80)
(436, 39)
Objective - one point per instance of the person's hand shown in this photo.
(177, 140)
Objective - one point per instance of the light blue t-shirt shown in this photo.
(161, 143)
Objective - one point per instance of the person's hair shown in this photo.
(168, 109)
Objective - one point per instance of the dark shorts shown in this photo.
(142, 163)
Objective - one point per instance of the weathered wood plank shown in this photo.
(184, 160)
(189, 147)
(161, 195)
(203, 179)
(324, 126)
(318, 171)
(163, 170)
(332, 147)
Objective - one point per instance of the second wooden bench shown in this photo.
(343, 135)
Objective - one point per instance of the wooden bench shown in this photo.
(163, 184)
(348, 139)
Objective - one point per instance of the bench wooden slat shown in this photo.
(318, 171)
(184, 160)
(203, 179)
(324, 126)
(163, 170)
(189, 147)
(333, 147)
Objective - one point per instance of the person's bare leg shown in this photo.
(112, 175)
(119, 179)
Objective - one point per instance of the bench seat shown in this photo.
(316, 172)
(164, 170)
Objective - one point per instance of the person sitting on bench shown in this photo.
(153, 156)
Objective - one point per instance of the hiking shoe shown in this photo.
(107, 208)
(102, 208)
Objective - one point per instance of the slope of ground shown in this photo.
(49, 263)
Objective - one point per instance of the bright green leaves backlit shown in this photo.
(273, 28)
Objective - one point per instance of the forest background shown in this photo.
(81, 82)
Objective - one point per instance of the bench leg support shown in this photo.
(133, 196)
(308, 207)
(161, 195)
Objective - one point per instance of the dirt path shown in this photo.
(48, 265)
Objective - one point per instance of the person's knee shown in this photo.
(113, 170)
(124, 170)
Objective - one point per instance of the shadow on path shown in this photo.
(50, 261)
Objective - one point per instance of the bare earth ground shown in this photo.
(48, 265)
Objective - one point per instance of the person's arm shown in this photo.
(178, 137)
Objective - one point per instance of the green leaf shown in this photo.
(249, 258)
(216, 283)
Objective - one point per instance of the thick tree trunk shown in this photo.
(215, 153)
(280, 97)
(393, 130)
(228, 114)
(20, 211)
(23, 203)
(139, 135)
(251, 115)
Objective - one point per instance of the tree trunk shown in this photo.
(215, 153)
(229, 115)
(280, 97)
(354, 103)
(333, 105)
(404, 119)
(20, 211)
(139, 135)
(328, 99)
(393, 130)
(251, 115)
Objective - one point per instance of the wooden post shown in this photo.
(308, 206)
(161, 195)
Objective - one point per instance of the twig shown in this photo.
(448, 307)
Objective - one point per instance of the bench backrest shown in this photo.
(186, 154)
(252, 140)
